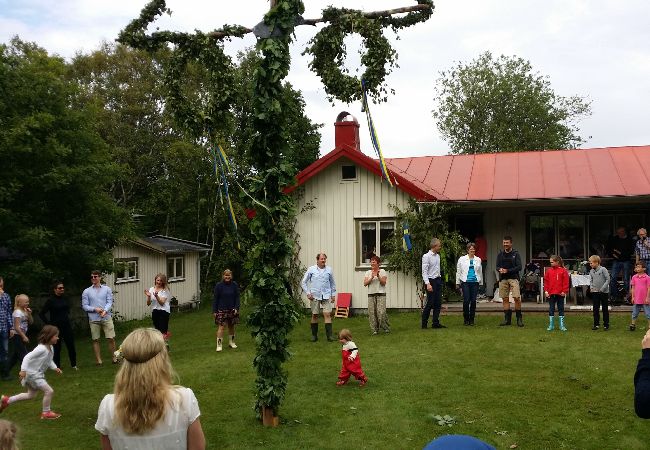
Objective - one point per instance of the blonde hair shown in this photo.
(46, 335)
(8, 431)
(595, 258)
(345, 334)
(163, 278)
(17, 301)
(139, 406)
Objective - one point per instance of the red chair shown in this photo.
(343, 301)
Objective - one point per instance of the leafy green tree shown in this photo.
(425, 221)
(56, 217)
(501, 105)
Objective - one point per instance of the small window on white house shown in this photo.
(126, 269)
(372, 238)
(348, 172)
(175, 268)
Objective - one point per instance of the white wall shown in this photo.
(330, 227)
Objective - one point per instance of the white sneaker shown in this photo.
(232, 344)
(219, 347)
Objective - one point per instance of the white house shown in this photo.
(138, 261)
(562, 201)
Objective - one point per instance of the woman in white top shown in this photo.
(376, 279)
(158, 298)
(140, 415)
(469, 275)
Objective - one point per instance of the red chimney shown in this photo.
(346, 132)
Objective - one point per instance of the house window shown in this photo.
(126, 270)
(348, 173)
(372, 238)
(175, 268)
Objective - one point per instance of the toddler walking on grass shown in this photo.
(640, 292)
(32, 373)
(351, 360)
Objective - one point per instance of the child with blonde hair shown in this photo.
(599, 291)
(146, 410)
(22, 317)
(8, 431)
(556, 287)
(32, 373)
(640, 293)
(351, 360)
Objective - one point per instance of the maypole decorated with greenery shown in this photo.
(204, 115)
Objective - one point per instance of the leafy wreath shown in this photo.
(328, 51)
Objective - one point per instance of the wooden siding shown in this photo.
(330, 227)
(130, 302)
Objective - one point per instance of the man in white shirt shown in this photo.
(431, 276)
(97, 301)
(318, 283)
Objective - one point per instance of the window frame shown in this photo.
(125, 264)
(360, 263)
(175, 276)
(349, 180)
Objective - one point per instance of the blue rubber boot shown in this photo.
(550, 323)
(562, 327)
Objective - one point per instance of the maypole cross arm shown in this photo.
(326, 47)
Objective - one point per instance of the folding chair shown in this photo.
(343, 301)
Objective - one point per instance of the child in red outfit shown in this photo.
(351, 360)
(556, 287)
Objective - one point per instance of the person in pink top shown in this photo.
(640, 292)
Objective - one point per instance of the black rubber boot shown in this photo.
(314, 332)
(4, 372)
(328, 332)
(507, 318)
(520, 320)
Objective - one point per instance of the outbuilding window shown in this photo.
(175, 268)
(126, 270)
(348, 172)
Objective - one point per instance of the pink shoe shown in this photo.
(4, 403)
(363, 382)
(340, 383)
(50, 415)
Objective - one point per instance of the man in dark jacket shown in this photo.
(642, 380)
(509, 265)
(621, 249)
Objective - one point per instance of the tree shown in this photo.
(272, 171)
(56, 218)
(500, 105)
(425, 221)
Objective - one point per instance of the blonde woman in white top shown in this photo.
(146, 411)
(469, 276)
(375, 279)
(158, 298)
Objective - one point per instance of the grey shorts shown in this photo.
(324, 305)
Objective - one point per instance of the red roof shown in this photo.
(550, 174)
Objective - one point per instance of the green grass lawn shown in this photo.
(505, 385)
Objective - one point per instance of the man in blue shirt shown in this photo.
(318, 283)
(97, 301)
(431, 276)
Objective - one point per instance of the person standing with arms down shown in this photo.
(469, 275)
(97, 301)
(318, 283)
(225, 308)
(58, 308)
(431, 276)
(509, 265)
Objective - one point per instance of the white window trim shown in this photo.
(349, 180)
(128, 279)
(176, 278)
(359, 263)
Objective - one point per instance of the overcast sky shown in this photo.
(597, 49)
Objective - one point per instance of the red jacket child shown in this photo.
(556, 281)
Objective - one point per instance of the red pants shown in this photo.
(351, 367)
